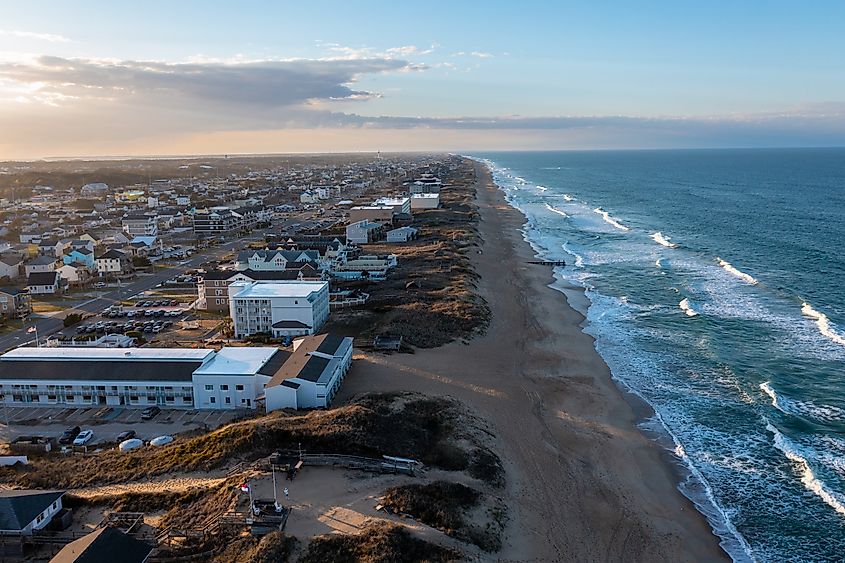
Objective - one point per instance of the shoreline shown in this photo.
(584, 482)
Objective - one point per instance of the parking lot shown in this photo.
(150, 317)
(106, 422)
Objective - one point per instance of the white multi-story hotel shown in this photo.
(233, 378)
(281, 308)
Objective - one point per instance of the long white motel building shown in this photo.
(232, 378)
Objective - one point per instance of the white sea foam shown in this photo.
(568, 197)
(542, 188)
(579, 260)
(659, 262)
(550, 168)
(808, 478)
(555, 210)
(747, 278)
(663, 240)
(520, 179)
(610, 220)
(687, 308)
(807, 409)
(825, 327)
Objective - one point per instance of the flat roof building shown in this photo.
(279, 308)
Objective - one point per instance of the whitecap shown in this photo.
(662, 240)
(823, 323)
(687, 308)
(747, 278)
(568, 197)
(555, 210)
(610, 220)
(808, 478)
(542, 188)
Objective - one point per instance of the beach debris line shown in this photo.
(548, 262)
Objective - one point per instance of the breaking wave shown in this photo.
(808, 478)
(823, 413)
(738, 273)
(823, 323)
(687, 308)
(567, 197)
(610, 220)
(663, 240)
(555, 210)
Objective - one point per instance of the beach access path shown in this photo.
(583, 483)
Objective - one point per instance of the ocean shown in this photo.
(715, 287)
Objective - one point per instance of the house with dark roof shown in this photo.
(104, 545)
(311, 376)
(22, 511)
(40, 264)
(10, 266)
(44, 283)
(212, 287)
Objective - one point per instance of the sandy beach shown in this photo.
(583, 483)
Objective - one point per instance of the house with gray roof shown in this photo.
(22, 511)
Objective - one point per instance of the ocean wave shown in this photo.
(520, 179)
(550, 168)
(809, 479)
(663, 240)
(542, 188)
(823, 323)
(687, 308)
(567, 197)
(822, 413)
(555, 210)
(610, 220)
(747, 278)
(579, 260)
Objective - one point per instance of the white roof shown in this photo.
(237, 361)
(391, 201)
(425, 196)
(279, 288)
(106, 354)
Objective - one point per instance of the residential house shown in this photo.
(51, 247)
(75, 274)
(11, 266)
(377, 213)
(272, 260)
(140, 225)
(216, 221)
(104, 545)
(363, 232)
(44, 283)
(82, 256)
(402, 234)
(113, 263)
(398, 204)
(308, 198)
(40, 264)
(24, 511)
(14, 302)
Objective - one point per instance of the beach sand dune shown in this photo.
(583, 483)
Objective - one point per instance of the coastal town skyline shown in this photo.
(94, 80)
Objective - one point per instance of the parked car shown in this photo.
(125, 435)
(161, 440)
(150, 412)
(100, 284)
(83, 437)
(69, 435)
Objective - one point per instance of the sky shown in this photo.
(82, 78)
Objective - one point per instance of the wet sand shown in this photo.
(584, 484)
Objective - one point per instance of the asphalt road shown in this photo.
(48, 326)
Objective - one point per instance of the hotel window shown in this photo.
(224, 387)
(187, 400)
(228, 400)
(209, 387)
(213, 400)
(239, 387)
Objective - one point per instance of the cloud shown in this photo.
(49, 37)
(242, 85)
(482, 54)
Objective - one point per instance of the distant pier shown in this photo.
(548, 262)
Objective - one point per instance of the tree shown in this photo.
(141, 261)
